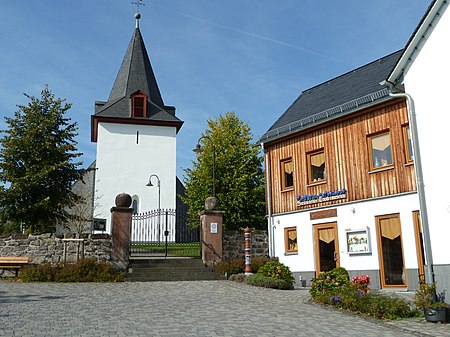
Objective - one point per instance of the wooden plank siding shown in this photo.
(345, 143)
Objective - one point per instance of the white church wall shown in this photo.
(126, 157)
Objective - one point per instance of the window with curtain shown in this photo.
(316, 165)
(290, 239)
(408, 144)
(380, 151)
(287, 174)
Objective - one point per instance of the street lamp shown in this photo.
(159, 201)
(197, 150)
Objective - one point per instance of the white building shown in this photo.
(423, 72)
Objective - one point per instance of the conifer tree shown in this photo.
(38, 165)
(239, 177)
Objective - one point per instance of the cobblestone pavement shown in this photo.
(202, 308)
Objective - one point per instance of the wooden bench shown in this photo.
(13, 262)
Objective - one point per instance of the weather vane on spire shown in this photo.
(138, 3)
(138, 15)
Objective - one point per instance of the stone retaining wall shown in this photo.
(233, 244)
(49, 248)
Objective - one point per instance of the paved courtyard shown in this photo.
(202, 308)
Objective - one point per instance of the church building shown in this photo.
(136, 136)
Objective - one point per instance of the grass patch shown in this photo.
(190, 249)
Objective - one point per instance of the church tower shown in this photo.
(136, 138)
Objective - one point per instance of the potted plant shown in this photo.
(433, 305)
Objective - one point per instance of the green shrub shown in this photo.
(260, 280)
(329, 283)
(334, 288)
(258, 262)
(276, 270)
(427, 298)
(230, 267)
(237, 266)
(37, 273)
(86, 270)
(385, 307)
(240, 278)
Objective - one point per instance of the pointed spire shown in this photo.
(136, 73)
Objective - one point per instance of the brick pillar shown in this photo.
(211, 232)
(121, 229)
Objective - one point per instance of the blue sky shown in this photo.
(253, 57)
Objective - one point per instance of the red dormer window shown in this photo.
(139, 105)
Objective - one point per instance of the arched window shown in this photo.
(135, 204)
(139, 105)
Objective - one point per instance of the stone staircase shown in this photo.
(171, 269)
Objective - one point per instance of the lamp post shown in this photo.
(159, 201)
(197, 150)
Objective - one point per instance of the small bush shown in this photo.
(277, 270)
(334, 288)
(260, 280)
(230, 267)
(240, 278)
(427, 298)
(328, 283)
(237, 266)
(361, 283)
(87, 270)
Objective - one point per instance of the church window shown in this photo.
(139, 105)
(135, 204)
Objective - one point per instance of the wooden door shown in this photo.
(419, 245)
(390, 251)
(326, 247)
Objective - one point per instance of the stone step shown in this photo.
(148, 270)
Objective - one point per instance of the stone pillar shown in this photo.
(121, 229)
(211, 232)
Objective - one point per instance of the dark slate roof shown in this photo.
(357, 89)
(135, 74)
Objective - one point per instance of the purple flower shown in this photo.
(335, 299)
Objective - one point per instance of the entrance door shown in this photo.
(419, 245)
(390, 250)
(326, 247)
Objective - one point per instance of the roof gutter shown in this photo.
(270, 225)
(419, 177)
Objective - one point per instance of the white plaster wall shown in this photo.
(123, 165)
(428, 83)
(362, 217)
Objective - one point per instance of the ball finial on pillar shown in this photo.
(123, 200)
(211, 204)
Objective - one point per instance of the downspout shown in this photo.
(269, 204)
(419, 179)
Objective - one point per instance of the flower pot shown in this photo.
(436, 315)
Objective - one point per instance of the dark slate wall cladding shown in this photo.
(233, 244)
(49, 248)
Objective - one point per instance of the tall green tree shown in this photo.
(38, 164)
(239, 182)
